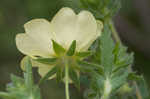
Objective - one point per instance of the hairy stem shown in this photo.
(117, 39)
(114, 32)
(107, 89)
(67, 80)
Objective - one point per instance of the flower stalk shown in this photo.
(67, 80)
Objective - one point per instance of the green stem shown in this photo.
(117, 39)
(114, 32)
(107, 89)
(67, 81)
(105, 96)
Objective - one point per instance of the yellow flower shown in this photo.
(65, 27)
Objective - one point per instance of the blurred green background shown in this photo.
(132, 23)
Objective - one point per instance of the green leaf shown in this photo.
(5, 95)
(102, 9)
(83, 54)
(16, 80)
(75, 77)
(18, 89)
(134, 77)
(119, 79)
(59, 50)
(122, 58)
(21, 88)
(49, 74)
(107, 47)
(72, 49)
(120, 67)
(143, 88)
(46, 60)
(28, 73)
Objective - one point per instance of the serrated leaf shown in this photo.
(49, 74)
(22, 88)
(59, 50)
(120, 67)
(75, 77)
(17, 81)
(121, 58)
(143, 88)
(72, 49)
(46, 60)
(107, 47)
(134, 77)
(102, 9)
(118, 80)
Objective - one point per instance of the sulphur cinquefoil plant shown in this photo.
(82, 49)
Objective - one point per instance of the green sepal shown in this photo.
(49, 61)
(91, 67)
(59, 74)
(72, 49)
(74, 77)
(83, 54)
(59, 50)
(49, 74)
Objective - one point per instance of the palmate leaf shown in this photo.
(143, 88)
(116, 64)
(21, 88)
(121, 55)
(102, 9)
(119, 79)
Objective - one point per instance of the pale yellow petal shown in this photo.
(44, 69)
(39, 31)
(23, 62)
(31, 47)
(86, 30)
(94, 37)
(63, 25)
(67, 26)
